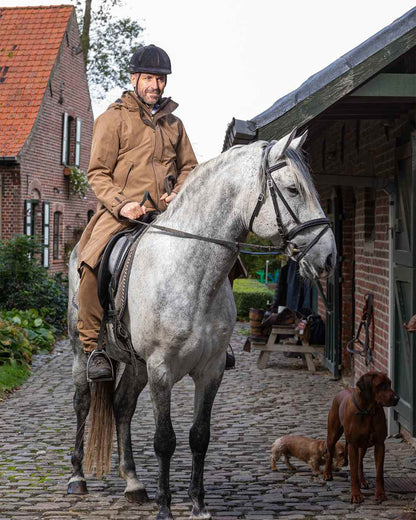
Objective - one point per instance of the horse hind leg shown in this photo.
(199, 435)
(82, 398)
(125, 400)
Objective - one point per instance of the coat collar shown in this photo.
(134, 104)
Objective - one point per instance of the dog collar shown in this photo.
(360, 410)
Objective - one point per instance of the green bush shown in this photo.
(22, 334)
(250, 293)
(25, 284)
(15, 347)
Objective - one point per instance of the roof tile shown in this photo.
(30, 38)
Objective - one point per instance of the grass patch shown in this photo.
(250, 293)
(12, 376)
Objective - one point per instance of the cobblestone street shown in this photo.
(37, 426)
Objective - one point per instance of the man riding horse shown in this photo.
(138, 148)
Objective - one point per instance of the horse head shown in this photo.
(288, 212)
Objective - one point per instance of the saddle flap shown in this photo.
(118, 253)
(109, 263)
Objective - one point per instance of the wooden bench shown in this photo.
(267, 348)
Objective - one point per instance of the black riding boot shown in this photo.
(99, 367)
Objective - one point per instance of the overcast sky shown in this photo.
(235, 58)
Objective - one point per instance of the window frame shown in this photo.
(78, 130)
(56, 235)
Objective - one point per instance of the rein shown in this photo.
(227, 243)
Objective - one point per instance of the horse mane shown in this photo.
(202, 172)
(303, 179)
(295, 159)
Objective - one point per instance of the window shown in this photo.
(78, 125)
(56, 234)
(30, 213)
(71, 140)
(65, 139)
(45, 233)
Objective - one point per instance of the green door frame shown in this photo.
(333, 331)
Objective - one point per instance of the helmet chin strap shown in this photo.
(136, 90)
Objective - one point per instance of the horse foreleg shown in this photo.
(199, 435)
(125, 399)
(82, 398)
(164, 444)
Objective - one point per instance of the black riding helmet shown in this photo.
(150, 59)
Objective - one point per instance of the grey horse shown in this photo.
(181, 310)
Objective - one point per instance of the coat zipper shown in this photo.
(153, 164)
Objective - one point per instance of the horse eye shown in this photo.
(292, 190)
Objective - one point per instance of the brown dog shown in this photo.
(309, 450)
(359, 413)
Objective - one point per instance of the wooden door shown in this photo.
(404, 285)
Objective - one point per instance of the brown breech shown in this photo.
(90, 311)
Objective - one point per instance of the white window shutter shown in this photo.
(65, 138)
(78, 142)
(28, 217)
(46, 215)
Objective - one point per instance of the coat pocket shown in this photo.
(127, 176)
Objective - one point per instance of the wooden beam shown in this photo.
(359, 181)
(388, 85)
(379, 100)
(316, 103)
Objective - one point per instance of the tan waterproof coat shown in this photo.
(132, 152)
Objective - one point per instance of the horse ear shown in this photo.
(300, 141)
(281, 146)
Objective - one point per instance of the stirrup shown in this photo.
(93, 355)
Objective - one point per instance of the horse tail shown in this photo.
(99, 446)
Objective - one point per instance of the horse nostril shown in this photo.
(329, 262)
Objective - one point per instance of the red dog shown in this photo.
(359, 414)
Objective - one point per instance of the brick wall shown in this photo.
(41, 171)
(366, 148)
(10, 196)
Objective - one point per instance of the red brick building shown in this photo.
(360, 113)
(46, 125)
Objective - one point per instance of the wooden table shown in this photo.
(266, 349)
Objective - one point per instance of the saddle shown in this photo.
(113, 280)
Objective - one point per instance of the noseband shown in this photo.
(286, 235)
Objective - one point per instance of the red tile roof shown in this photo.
(29, 42)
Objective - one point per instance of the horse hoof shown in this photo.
(138, 496)
(198, 514)
(77, 487)
(164, 514)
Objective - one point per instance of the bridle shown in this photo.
(286, 235)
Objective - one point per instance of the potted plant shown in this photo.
(77, 180)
